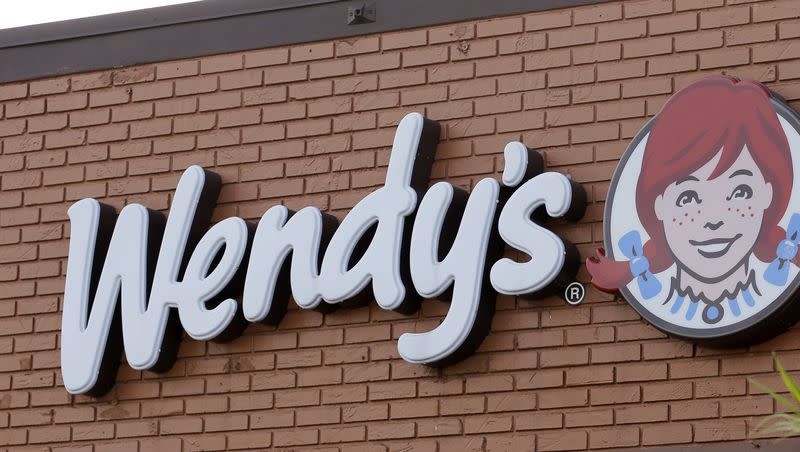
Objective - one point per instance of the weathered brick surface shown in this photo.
(312, 124)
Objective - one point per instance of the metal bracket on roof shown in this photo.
(361, 13)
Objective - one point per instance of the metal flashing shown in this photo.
(219, 26)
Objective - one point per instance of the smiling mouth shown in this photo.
(715, 247)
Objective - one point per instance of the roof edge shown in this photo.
(183, 30)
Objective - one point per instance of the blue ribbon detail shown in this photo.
(748, 298)
(778, 271)
(734, 305)
(677, 306)
(692, 309)
(631, 245)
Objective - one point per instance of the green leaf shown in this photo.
(783, 420)
(784, 423)
(787, 380)
(783, 400)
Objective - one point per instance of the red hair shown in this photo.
(711, 114)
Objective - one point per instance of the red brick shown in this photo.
(221, 63)
(25, 108)
(749, 35)
(320, 88)
(311, 52)
(781, 9)
(564, 357)
(177, 69)
(647, 87)
(220, 101)
(133, 75)
(665, 350)
(267, 95)
(647, 8)
(721, 430)
(49, 86)
(195, 85)
(686, 5)
(47, 122)
(379, 62)
(570, 76)
(11, 127)
(782, 50)
(149, 91)
(618, 437)
(666, 434)
(562, 441)
(404, 39)
(697, 41)
(422, 57)
(65, 139)
(66, 102)
(333, 68)
(720, 387)
(467, 50)
(724, 58)
(111, 96)
(694, 409)
(573, 36)
(641, 372)
(626, 30)
(746, 365)
(497, 27)
(673, 24)
(450, 33)
(450, 71)
(342, 434)
(667, 391)
(548, 19)
(267, 57)
(13, 91)
(594, 14)
(523, 43)
(671, 64)
(357, 45)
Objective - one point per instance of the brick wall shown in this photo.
(312, 125)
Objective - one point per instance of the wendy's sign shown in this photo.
(702, 219)
(137, 278)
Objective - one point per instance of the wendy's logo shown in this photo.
(702, 219)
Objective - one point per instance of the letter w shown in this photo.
(91, 339)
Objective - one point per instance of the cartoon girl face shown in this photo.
(702, 222)
(712, 224)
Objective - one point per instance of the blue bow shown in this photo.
(631, 245)
(778, 271)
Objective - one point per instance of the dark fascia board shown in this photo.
(145, 18)
(219, 26)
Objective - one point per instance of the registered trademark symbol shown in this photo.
(574, 293)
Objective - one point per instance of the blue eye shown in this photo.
(688, 197)
(742, 191)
